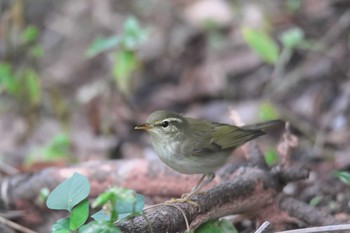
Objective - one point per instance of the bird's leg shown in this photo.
(201, 183)
(186, 197)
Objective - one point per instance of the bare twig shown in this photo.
(343, 227)
(15, 225)
(264, 227)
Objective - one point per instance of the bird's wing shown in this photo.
(215, 137)
(229, 136)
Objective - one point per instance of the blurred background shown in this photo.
(77, 76)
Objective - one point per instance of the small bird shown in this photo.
(194, 146)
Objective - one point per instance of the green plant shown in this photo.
(126, 60)
(271, 157)
(266, 47)
(217, 226)
(315, 200)
(262, 43)
(72, 195)
(23, 85)
(118, 203)
(22, 82)
(344, 176)
(58, 148)
(268, 112)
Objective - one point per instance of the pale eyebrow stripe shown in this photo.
(171, 119)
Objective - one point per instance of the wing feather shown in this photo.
(229, 136)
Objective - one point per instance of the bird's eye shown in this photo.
(165, 124)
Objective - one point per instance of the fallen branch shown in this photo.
(251, 192)
(247, 190)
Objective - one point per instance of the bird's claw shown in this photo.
(184, 199)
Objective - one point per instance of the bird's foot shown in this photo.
(185, 198)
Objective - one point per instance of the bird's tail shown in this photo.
(264, 126)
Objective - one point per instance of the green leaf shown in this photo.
(59, 146)
(133, 35)
(315, 201)
(101, 45)
(114, 194)
(30, 34)
(344, 176)
(7, 78)
(69, 193)
(208, 227)
(292, 37)
(268, 112)
(57, 149)
(99, 227)
(79, 214)
(271, 157)
(33, 86)
(122, 203)
(217, 226)
(125, 63)
(43, 195)
(103, 198)
(61, 226)
(130, 206)
(262, 44)
(101, 215)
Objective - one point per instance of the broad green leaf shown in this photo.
(69, 193)
(130, 206)
(99, 227)
(61, 226)
(79, 214)
(262, 44)
(292, 37)
(101, 45)
(268, 112)
(343, 176)
(101, 215)
(271, 157)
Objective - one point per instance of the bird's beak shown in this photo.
(144, 126)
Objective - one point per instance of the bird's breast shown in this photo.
(172, 155)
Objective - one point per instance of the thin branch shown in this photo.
(343, 227)
(15, 226)
(264, 227)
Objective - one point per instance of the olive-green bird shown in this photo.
(194, 146)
